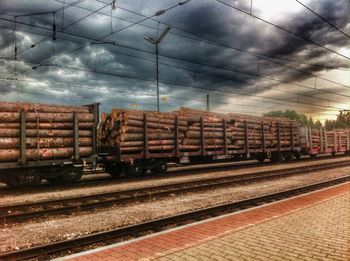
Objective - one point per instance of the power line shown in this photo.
(149, 80)
(200, 72)
(204, 64)
(222, 45)
(210, 41)
(225, 46)
(215, 42)
(283, 29)
(62, 29)
(196, 87)
(160, 12)
(143, 94)
(269, 79)
(324, 19)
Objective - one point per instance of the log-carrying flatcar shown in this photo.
(40, 141)
(134, 142)
(322, 141)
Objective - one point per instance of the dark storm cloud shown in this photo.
(67, 70)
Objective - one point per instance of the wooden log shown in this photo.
(118, 112)
(197, 134)
(207, 141)
(7, 117)
(13, 143)
(151, 136)
(127, 118)
(48, 125)
(151, 143)
(134, 123)
(12, 155)
(44, 133)
(38, 107)
(208, 124)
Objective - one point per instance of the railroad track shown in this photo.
(173, 172)
(21, 212)
(59, 248)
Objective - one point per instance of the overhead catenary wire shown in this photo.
(177, 84)
(324, 19)
(201, 72)
(271, 100)
(203, 64)
(262, 58)
(158, 13)
(215, 42)
(254, 54)
(283, 29)
(145, 94)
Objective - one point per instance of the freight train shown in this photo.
(52, 142)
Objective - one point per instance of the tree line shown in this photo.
(342, 121)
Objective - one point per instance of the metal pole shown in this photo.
(158, 108)
(208, 103)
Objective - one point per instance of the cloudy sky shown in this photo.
(249, 56)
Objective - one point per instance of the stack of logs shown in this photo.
(337, 139)
(125, 129)
(49, 131)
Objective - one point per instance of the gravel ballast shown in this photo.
(32, 233)
(115, 185)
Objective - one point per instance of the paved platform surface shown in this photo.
(315, 226)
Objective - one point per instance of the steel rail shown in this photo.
(174, 172)
(21, 212)
(132, 231)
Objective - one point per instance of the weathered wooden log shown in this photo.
(195, 128)
(250, 126)
(134, 123)
(48, 125)
(45, 117)
(150, 143)
(13, 143)
(208, 124)
(151, 136)
(12, 155)
(207, 141)
(44, 133)
(6, 117)
(117, 112)
(207, 134)
(37, 107)
(131, 117)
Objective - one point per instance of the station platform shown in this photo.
(314, 226)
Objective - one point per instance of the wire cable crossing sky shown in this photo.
(248, 56)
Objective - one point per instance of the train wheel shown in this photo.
(275, 157)
(313, 156)
(135, 170)
(161, 167)
(71, 175)
(260, 157)
(33, 180)
(118, 172)
(18, 181)
(13, 182)
(297, 155)
(55, 181)
(288, 156)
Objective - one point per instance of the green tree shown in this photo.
(293, 115)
